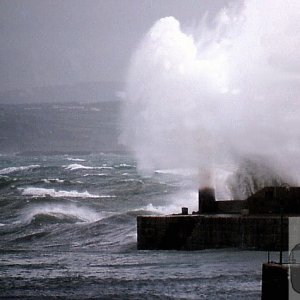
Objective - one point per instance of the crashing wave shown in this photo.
(58, 213)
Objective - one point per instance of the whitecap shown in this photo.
(77, 167)
(125, 166)
(99, 174)
(43, 192)
(16, 169)
(104, 168)
(53, 180)
(75, 159)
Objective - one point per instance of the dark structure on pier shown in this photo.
(259, 223)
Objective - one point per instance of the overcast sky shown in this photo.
(53, 42)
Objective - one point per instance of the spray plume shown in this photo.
(224, 97)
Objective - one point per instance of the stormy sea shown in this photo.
(68, 231)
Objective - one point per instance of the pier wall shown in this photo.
(195, 232)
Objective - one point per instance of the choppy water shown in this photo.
(68, 230)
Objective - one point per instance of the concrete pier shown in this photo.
(259, 223)
(196, 232)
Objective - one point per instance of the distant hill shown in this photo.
(60, 127)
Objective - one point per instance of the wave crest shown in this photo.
(75, 159)
(43, 192)
(53, 180)
(17, 169)
(59, 213)
(77, 167)
(73, 167)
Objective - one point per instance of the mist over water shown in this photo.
(221, 99)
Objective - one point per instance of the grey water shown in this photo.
(68, 231)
